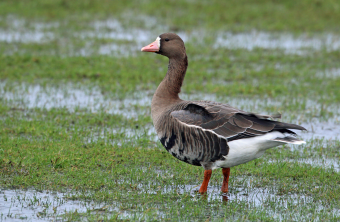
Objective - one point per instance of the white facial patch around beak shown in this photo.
(158, 40)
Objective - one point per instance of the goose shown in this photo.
(206, 133)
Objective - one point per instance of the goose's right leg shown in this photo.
(204, 186)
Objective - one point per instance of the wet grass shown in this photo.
(98, 147)
(183, 15)
(52, 151)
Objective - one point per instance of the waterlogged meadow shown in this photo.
(76, 136)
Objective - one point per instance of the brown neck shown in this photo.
(171, 85)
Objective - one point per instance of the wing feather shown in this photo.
(234, 128)
(228, 122)
(242, 122)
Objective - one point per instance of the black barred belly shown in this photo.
(195, 149)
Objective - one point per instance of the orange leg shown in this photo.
(226, 173)
(204, 186)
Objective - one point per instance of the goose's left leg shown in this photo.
(204, 186)
(226, 173)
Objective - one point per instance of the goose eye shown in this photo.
(167, 40)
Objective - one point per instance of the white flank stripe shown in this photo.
(299, 142)
(295, 142)
(194, 126)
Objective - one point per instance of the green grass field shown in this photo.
(76, 136)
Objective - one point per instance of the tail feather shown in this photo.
(289, 139)
(262, 120)
(281, 125)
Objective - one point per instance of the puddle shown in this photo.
(26, 32)
(329, 73)
(18, 205)
(329, 130)
(25, 36)
(129, 135)
(32, 205)
(113, 29)
(285, 41)
(71, 97)
(255, 197)
(321, 162)
(242, 189)
(325, 163)
(20, 30)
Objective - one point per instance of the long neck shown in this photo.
(171, 85)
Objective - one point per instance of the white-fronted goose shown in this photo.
(205, 133)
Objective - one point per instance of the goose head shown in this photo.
(167, 44)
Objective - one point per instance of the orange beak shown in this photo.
(153, 47)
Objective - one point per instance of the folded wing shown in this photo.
(228, 122)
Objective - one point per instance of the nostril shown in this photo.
(151, 45)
